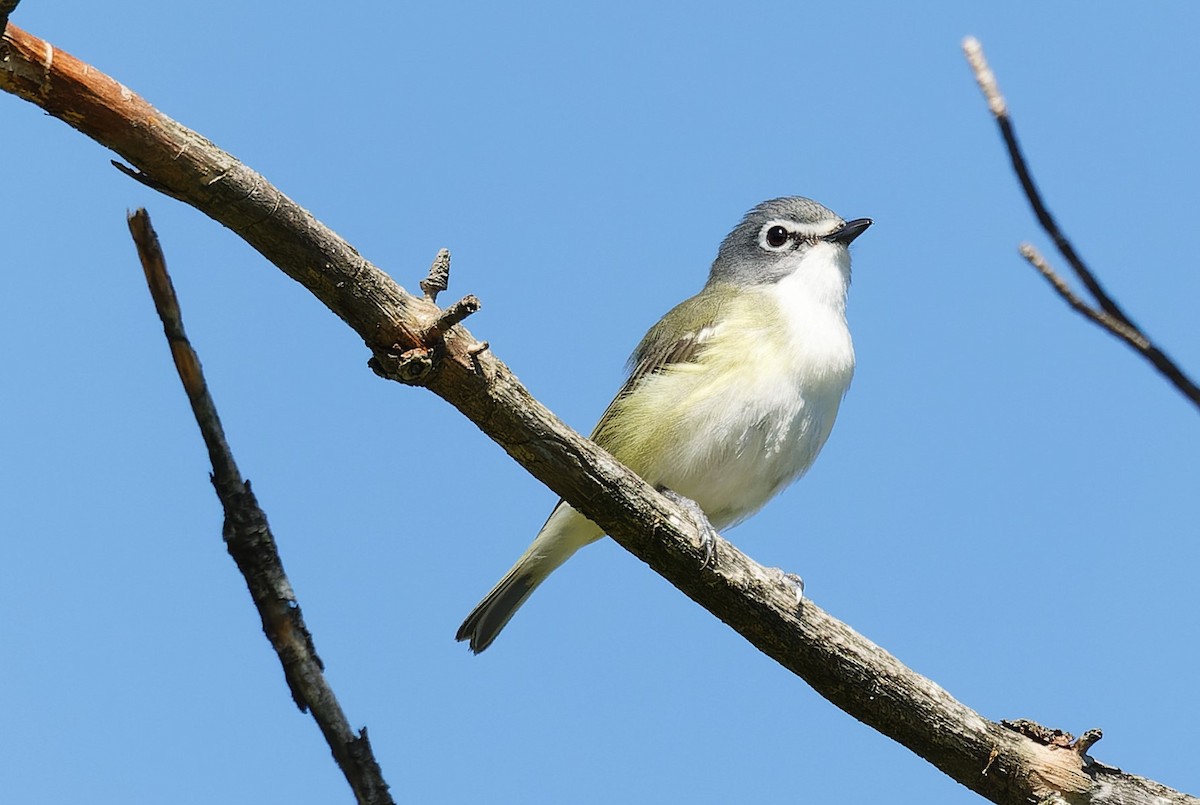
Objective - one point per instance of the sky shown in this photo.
(1008, 502)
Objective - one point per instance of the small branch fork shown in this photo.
(413, 366)
(252, 546)
(1106, 312)
(850, 671)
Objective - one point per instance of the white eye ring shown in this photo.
(775, 237)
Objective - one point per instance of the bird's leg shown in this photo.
(708, 534)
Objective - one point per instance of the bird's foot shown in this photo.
(708, 534)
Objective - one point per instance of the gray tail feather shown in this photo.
(564, 533)
(498, 606)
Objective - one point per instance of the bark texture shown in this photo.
(1001, 763)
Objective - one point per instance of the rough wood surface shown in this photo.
(249, 540)
(1002, 764)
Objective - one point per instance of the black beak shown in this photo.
(849, 231)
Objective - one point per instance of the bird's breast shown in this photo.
(751, 412)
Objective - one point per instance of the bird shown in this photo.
(729, 397)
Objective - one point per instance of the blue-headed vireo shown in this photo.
(730, 397)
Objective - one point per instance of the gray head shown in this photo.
(774, 236)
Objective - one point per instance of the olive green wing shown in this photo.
(678, 338)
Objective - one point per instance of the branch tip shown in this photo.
(1086, 741)
(1120, 329)
(451, 316)
(438, 278)
(1035, 259)
(984, 76)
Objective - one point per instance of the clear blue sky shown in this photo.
(1008, 502)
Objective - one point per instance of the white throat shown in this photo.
(821, 277)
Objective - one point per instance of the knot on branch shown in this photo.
(411, 367)
(414, 366)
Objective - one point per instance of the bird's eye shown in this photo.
(776, 236)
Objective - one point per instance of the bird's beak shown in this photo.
(848, 231)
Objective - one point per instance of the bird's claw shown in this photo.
(708, 534)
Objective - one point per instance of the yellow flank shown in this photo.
(747, 413)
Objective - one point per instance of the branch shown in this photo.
(1115, 326)
(760, 604)
(252, 546)
(1107, 313)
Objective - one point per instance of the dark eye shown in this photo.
(776, 237)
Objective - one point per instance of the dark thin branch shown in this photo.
(250, 542)
(1107, 314)
(1118, 328)
(760, 604)
(999, 107)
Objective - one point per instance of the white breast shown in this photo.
(753, 418)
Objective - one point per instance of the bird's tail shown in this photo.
(564, 533)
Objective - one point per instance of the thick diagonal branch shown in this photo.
(849, 670)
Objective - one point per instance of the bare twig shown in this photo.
(1116, 327)
(1087, 741)
(434, 283)
(438, 279)
(856, 675)
(1107, 314)
(451, 316)
(250, 542)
